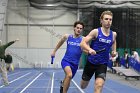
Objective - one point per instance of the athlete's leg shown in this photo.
(87, 74)
(84, 84)
(67, 79)
(68, 76)
(100, 76)
(99, 82)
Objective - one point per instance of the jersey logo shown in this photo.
(104, 40)
(73, 43)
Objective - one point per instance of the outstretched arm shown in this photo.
(10, 43)
(59, 44)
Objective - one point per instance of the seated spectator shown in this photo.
(135, 55)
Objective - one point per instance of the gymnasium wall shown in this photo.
(38, 30)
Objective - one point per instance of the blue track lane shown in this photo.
(48, 81)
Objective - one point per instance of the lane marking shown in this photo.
(112, 91)
(78, 86)
(52, 82)
(12, 74)
(16, 79)
(30, 83)
(25, 82)
(48, 86)
(8, 75)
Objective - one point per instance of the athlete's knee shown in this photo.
(98, 88)
(99, 84)
(69, 75)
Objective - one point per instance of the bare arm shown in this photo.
(85, 42)
(114, 43)
(85, 51)
(59, 44)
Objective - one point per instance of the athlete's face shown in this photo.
(106, 21)
(78, 29)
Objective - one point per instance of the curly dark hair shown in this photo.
(79, 22)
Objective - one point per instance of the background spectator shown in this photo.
(126, 58)
(135, 55)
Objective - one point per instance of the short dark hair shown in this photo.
(79, 22)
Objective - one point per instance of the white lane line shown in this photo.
(23, 83)
(112, 91)
(12, 74)
(19, 77)
(48, 87)
(30, 83)
(16, 79)
(52, 82)
(78, 86)
(17, 73)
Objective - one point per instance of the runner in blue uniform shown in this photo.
(100, 38)
(72, 56)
